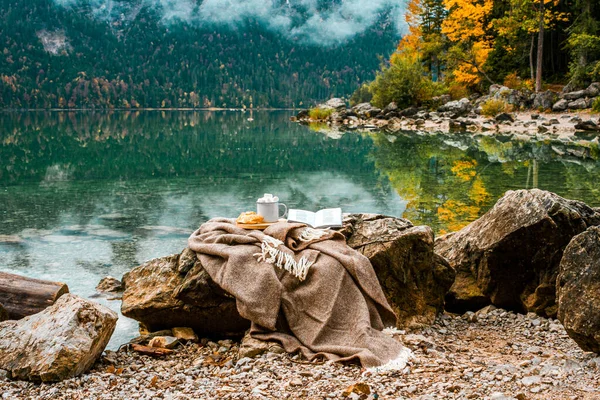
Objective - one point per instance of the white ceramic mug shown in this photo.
(268, 208)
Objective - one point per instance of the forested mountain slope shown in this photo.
(71, 55)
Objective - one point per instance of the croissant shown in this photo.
(249, 217)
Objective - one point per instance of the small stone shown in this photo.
(185, 334)
(296, 382)
(109, 284)
(531, 380)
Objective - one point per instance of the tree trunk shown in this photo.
(22, 296)
(531, 67)
(540, 50)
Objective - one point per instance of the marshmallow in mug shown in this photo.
(268, 207)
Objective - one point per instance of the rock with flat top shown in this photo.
(510, 256)
(578, 289)
(60, 342)
(185, 334)
(336, 103)
(587, 125)
(413, 278)
(109, 284)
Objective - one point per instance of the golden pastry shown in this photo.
(249, 217)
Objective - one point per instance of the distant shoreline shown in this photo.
(147, 109)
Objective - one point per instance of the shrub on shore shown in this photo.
(493, 107)
(596, 105)
(319, 113)
(405, 83)
(361, 95)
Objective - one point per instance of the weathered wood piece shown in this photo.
(151, 351)
(22, 296)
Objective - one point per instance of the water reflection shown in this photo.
(86, 195)
(450, 180)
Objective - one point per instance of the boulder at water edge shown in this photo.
(176, 290)
(414, 279)
(510, 256)
(578, 289)
(60, 342)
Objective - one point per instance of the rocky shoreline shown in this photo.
(546, 113)
(492, 354)
(505, 308)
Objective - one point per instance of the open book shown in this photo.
(325, 218)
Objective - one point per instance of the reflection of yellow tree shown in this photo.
(465, 206)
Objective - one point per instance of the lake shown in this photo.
(84, 195)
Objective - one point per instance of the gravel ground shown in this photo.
(491, 354)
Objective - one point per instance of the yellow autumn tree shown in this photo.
(411, 42)
(470, 45)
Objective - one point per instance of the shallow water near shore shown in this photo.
(85, 194)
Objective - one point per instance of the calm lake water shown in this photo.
(84, 195)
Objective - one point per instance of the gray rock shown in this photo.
(503, 117)
(366, 110)
(578, 289)
(587, 125)
(574, 95)
(390, 107)
(593, 90)
(336, 103)
(560, 105)
(544, 100)
(578, 104)
(509, 257)
(459, 107)
(408, 112)
(60, 342)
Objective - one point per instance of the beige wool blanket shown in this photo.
(304, 288)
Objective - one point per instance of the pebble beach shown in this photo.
(492, 354)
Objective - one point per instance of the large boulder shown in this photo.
(579, 104)
(60, 342)
(575, 95)
(458, 107)
(593, 90)
(510, 256)
(366, 110)
(414, 279)
(3, 313)
(587, 125)
(578, 289)
(544, 100)
(560, 105)
(176, 290)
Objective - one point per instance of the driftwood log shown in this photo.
(22, 296)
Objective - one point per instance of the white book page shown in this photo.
(328, 217)
(303, 216)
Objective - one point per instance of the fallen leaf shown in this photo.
(358, 388)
